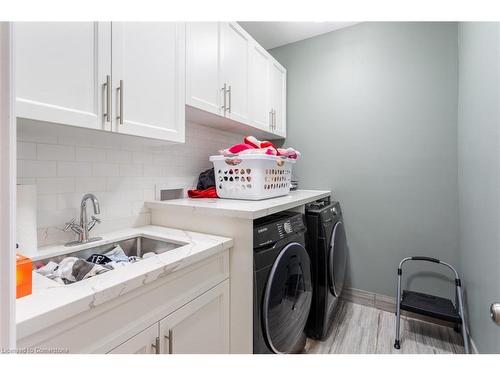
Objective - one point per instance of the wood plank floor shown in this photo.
(359, 329)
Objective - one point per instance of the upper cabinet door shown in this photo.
(259, 87)
(278, 97)
(61, 70)
(203, 86)
(149, 79)
(234, 46)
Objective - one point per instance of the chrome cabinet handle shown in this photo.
(156, 345)
(495, 313)
(229, 92)
(120, 90)
(271, 119)
(223, 107)
(107, 85)
(170, 339)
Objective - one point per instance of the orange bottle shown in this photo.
(24, 268)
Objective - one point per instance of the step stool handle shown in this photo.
(428, 259)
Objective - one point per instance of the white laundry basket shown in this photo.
(252, 177)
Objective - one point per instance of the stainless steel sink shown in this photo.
(135, 246)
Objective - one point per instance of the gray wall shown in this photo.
(373, 108)
(479, 173)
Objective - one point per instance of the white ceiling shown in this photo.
(276, 34)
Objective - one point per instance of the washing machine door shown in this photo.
(287, 299)
(337, 259)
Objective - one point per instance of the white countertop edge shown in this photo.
(51, 302)
(242, 209)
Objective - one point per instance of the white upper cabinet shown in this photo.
(137, 77)
(278, 97)
(122, 77)
(148, 79)
(235, 45)
(61, 70)
(230, 75)
(259, 87)
(203, 81)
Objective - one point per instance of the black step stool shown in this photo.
(432, 306)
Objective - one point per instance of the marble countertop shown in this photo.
(243, 209)
(52, 302)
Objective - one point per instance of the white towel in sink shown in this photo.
(117, 254)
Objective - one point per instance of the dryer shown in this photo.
(282, 284)
(328, 251)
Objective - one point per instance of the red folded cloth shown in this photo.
(211, 192)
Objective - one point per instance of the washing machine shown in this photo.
(328, 251)
(282, 284)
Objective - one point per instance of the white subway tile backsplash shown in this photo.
(68, 200)
(105, 169)
(55, 152)
(148, 194)
(47, 202)
(55, 218)
(154, 170)
(35, 168)
(55, 185)
(90, 184)
(118, 156)
(90, 154)
(74, 169)
(142, 157)
(26, 150)
(131, 170)
(122, 171)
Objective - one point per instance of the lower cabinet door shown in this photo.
(145, 342)
(199, 327)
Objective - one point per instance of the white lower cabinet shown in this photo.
(199, 327)
(144, 342)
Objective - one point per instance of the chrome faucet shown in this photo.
(83, 229)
